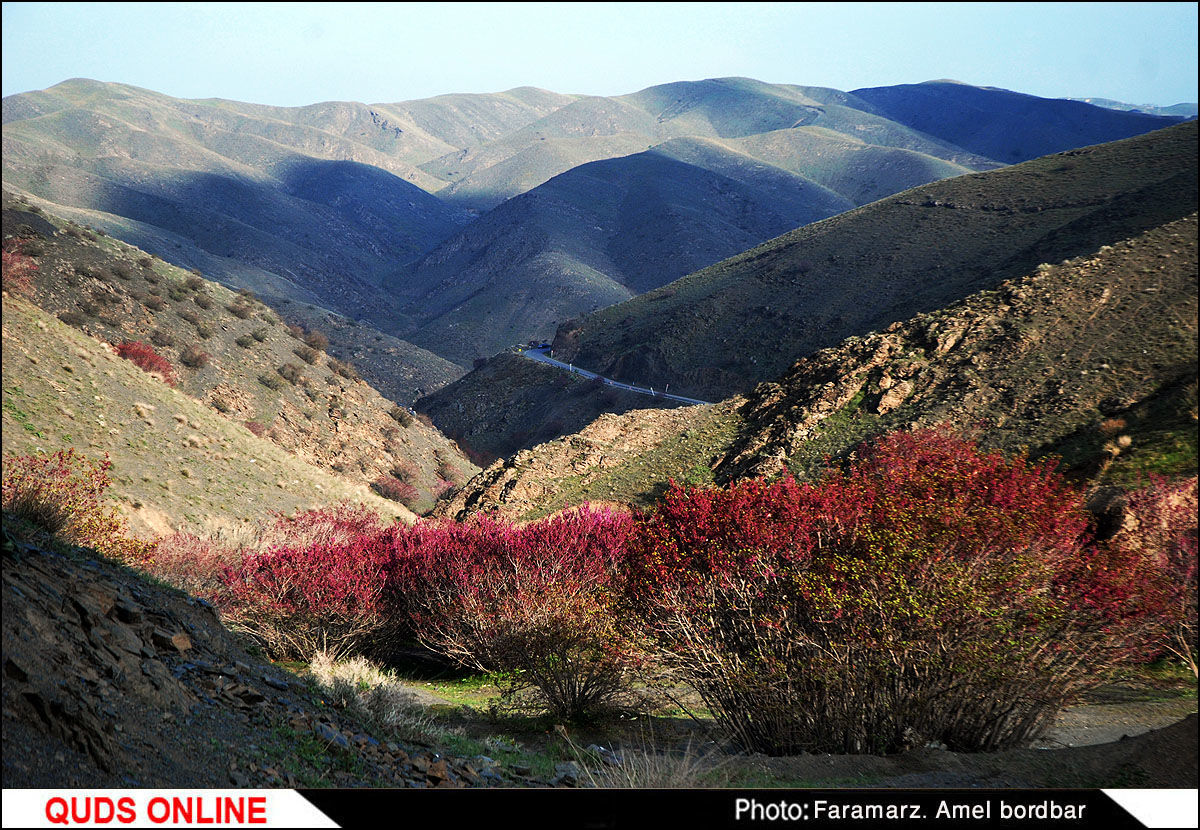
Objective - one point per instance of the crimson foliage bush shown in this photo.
(17, 269)
(318, 582)
(392, 488)
(1160, 524)
(930, 592)
(145, 358)
(535, 602)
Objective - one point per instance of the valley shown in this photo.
(411, 444)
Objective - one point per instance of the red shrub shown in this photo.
(63, 493)
(322, 588)
(191, 563)
(17, 270)
(145, 358)
(1159, 534)
(335, 525)
(929, 593)
(535, 602)
(405, 471)
(396, 490)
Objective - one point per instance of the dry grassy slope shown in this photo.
(400, 370)
(323, 417)
(744, 320)
(177, 463)
(1065, 360)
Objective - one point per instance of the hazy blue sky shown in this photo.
(293, 54)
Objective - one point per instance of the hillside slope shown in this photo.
(1093, 359)
(1007, 126)
(110, 677)
(1065, 360)
(229, 352)
(290, 198)
(593, 236)
(720, 330)
(716, 109)
(545, 403)
(322, 204)
(178, 464)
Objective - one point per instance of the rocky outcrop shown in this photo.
(1066, 348)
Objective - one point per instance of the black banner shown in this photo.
(600, 809)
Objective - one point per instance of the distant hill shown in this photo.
(240, 188)
(593, 236)
(1009, 127)
(720, 330)
(720, 109)
(1092, 360)
(1178, 110)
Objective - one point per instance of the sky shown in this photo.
(291, 54)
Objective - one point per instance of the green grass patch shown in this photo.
(18, 415)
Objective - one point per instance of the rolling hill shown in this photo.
(326, 204)
(1007, 126)
(593, 236)
(719, 331)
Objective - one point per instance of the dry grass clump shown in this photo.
(195, 357)
(643, 765)
(361, 687)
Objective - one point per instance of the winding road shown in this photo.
(542, 355)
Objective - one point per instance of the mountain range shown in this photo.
(408, 215)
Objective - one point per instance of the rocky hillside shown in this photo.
(229, 354)
(1093, 358)
(109, 679)
(621, 459)
(1096, 352)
